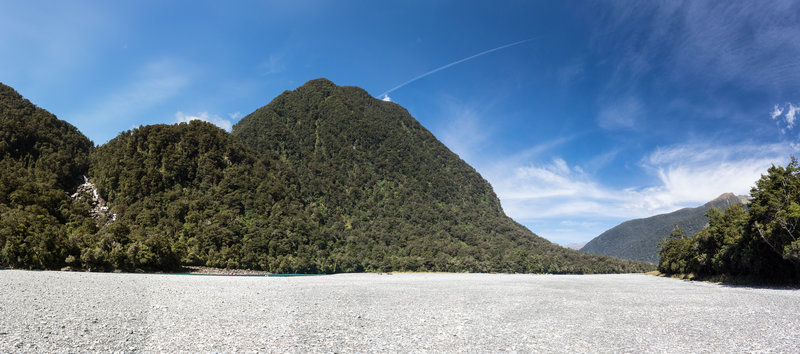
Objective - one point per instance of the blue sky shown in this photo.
(607, 111)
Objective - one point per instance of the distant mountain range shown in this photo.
(638, 239)
(323, 179)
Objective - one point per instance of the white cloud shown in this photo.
(235, 115)
(685, 175)
(776, 112)
(550, 190)
(204, 116)
(790, 115)
(791, 111)
(387, 98)
(691, 174)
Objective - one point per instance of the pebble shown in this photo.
(402, 313)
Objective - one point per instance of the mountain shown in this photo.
(389, 193)
(638, 239)
(323, 179)
(42, 159)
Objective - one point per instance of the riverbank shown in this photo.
(75, 311)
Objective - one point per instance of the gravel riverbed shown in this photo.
(80, 312)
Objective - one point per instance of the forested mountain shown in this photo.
(638, 239)
(184, 194)
(389, 193)
(42, 158)
(323, 179)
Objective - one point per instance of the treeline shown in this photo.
(760, 243)
(638, 239)
(324, 179)
(40, 158)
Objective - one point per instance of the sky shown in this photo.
(581, 114)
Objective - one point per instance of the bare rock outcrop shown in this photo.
(99, 209)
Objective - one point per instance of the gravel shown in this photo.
(79, 312)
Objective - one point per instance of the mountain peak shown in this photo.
(730, 198)
(638, 239)
(379, 180)
(724, 196)
(322, 88)
(323, 179)
(317, 83)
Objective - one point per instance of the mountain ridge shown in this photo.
(322, 179)
(638, 239)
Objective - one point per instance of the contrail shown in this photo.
(454, 63)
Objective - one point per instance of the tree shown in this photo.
(760, 243)
(775, 212)
(677, 253)
(718, 246)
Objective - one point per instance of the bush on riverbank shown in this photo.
(761, 242)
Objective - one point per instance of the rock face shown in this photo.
(99, 210)
(638, 239)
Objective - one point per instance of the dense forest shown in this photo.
(323, 179)
(760, 242)
(639, 239)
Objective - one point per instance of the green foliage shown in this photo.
(323, 179)
(387, 195)
(675, 253)
(775, 210)
(639, 239)
(41, 158)
(759, 243)
(716, 246)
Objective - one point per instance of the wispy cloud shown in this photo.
(785, 115)
(553, 189)
(753, 44)
(600, 161)
(465, 132)
(621, 114)
(543, 195)
(454, 63)
(776, 112)
(156, 82)
(693, 51)
(695, 173)
(569, 74)
(204, 116)
(790, 115)
(273, 65)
